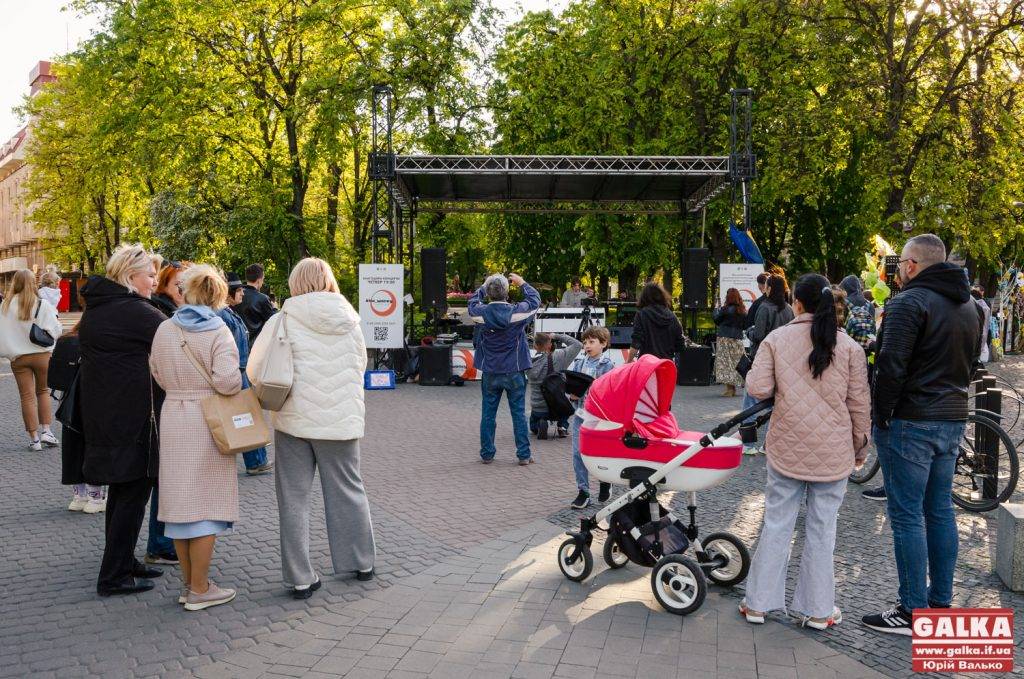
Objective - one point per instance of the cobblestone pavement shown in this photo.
(503, 610)
(433, 503)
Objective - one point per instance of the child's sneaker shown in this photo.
(78, 503)
(563, 432)
(822, 623)
(604, 492)
(582, 500)
(95, 506)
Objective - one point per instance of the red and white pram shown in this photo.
(630, 437)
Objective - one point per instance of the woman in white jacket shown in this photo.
(29, 362)
(319, 426)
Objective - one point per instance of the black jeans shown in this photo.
(126, 509)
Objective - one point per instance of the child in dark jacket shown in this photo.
(560, 359)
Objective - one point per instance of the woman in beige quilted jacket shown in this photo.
(319, 427)
(819, 432)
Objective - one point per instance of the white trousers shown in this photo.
(815, 593)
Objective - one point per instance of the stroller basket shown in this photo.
(636, 533)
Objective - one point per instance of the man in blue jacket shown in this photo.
(503, 357)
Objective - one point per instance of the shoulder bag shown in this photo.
(38, 336)
(236, 422)
(274, 382)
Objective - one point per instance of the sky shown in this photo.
(38, 30)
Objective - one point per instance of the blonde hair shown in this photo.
(23, 287)
(50, 279)
(312, 275)
(127, 261)
(205, 286)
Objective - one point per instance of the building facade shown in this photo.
(21, 246)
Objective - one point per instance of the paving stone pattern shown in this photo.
(501, 611)
(433, 504)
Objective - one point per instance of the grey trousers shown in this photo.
(349, 528)
(815, 593)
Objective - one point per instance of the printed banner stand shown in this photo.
(382, 305)
(743, 277)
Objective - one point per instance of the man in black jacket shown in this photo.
(926, 350)
(255, 307)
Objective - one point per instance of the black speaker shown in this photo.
(436, 365)
(695, 278)
(434, 272)
(695, 366)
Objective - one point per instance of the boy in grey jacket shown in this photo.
(561, 359)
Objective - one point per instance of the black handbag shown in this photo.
(38, 336)
(744, 365)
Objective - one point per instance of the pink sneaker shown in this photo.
(213, 596)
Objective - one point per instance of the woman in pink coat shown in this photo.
(819, 432)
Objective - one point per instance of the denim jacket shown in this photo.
(239, 331)
(595, 367)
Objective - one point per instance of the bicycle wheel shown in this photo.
(870, 468)
(982, 481)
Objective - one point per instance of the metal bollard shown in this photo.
(988, 443)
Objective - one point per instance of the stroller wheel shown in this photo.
(679, 584)
(575, 562)
(736, 554)
(613, 555)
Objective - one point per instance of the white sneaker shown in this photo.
(48, 439)
(78, 504)
(95, 506)
(35, 446)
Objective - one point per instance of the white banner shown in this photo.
(382, 305)
(743, 277)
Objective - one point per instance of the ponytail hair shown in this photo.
(815, 294)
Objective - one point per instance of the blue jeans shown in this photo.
(918, 459)
(491, 387)
(538, 416)
(582, 477)
(157, 543)
(258, 457)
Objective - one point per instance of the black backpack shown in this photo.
(553, 390)
(64, 362)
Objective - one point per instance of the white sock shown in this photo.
(46, 429)
(34, 435)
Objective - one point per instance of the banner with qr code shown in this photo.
(381, 305)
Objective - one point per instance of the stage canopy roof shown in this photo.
(658, 185)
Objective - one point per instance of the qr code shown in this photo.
(380, 334)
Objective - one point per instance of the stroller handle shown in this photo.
(730, 424)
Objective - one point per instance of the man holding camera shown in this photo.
(503, 357)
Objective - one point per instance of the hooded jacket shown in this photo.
(926, 349)
(328, 358)
(501, 345)
(119, 401)
(656, 331)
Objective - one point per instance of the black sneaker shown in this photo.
(562, 432)
(542, 430)
(874, 494)
(582, 500)
(894, 621)
(604, 492)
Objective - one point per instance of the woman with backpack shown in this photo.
(820, 423)
(28, 330)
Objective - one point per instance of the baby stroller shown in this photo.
(630, 437)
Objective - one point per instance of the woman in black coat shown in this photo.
(119, 403)
(656, 330)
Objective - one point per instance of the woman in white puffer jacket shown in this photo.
(319, 426)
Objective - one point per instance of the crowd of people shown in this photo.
(155, 339)
(158, 337)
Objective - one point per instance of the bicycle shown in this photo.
(973, 479)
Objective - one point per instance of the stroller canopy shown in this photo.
(638, 396)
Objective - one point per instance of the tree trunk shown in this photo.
(298, 181)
